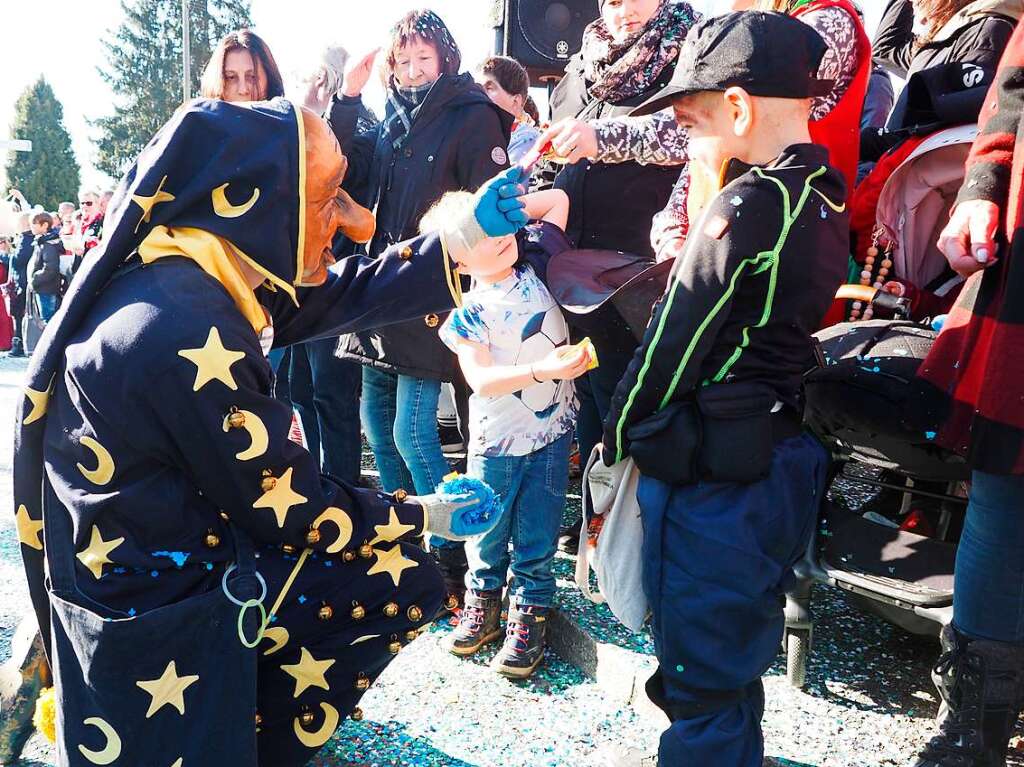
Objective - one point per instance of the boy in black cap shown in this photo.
(710, 407)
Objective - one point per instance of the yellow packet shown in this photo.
(586, 345)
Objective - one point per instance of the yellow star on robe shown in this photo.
(392, 531)
(29, 529)
(95, 556)
(309, 672)
(280, 498)
(391, 562)
(39, 400)
(148, 203)
(213, 362)
(168, 689)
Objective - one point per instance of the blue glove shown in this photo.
(499, 209)
(460, 508)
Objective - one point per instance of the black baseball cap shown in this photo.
(766, 54)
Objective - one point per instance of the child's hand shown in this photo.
(565, 363)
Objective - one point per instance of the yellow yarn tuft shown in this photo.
(45, 718)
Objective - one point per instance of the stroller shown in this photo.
(864, 402)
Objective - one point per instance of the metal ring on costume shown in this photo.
(235, 600)
(246, 606)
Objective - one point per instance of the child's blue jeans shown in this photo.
(532, 491)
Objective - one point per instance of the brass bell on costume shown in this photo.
(362, 683)
(411, 635)
(212, 540)
(451, 602)
(432, 320)
(287, 548)
(356, 715)
(394, 646)
(326, 612)
(391, 610)
(236, 420)
(406, 253)
(307, 717)
(358, 611)
(349, 556)
(259, 719)
(267, 484)
(313, 537)
(366, 551)
(414, 614)
(401, 495)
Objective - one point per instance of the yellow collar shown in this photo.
(214, 255)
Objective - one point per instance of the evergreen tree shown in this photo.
(48, 174)
(144, 69)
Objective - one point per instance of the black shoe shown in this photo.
(981, 685)
(479, 623)
(524, 642)
(451, 438)
(569, 539)
(17, 348)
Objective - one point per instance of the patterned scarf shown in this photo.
(406, 103)
(620, 71)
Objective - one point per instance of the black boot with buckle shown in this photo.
(479, 623)
(980, 682)
(524, 642)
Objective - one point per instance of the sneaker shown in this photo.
(451, 438)
(524, 642)
(479, 623)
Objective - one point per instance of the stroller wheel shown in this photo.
(798, 647)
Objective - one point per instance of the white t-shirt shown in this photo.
(520, 323)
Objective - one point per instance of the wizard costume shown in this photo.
(207, 597)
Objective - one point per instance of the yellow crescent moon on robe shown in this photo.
(344, 523)
(225, 209)
(321, 736)
(257, 433)
(113, 748)
(278, 635)
(104, 470)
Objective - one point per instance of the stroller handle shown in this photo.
(880, 299)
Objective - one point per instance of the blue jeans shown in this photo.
(399, 415)
(47, 305)
(717, 559)
(324, 391)
(532, 491)
(988, 590)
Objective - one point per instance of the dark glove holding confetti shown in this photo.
(460, 508)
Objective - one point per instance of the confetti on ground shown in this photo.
(868, 703)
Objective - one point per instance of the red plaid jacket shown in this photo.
(977, 363)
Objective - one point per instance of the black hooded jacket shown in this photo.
(45, 264)
(457, 141)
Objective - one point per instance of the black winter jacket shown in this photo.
(976, 36)
(743, 299)
(46, 253)
(457, 141)
(610, 205)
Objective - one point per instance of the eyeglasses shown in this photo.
(86, 203)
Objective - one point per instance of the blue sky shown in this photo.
(69, 51)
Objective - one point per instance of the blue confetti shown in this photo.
(930, 434)
(209, 565)
(154, 573)
(302, 599)
(131, 613)
(179, 557)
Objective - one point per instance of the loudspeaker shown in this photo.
(542, 34)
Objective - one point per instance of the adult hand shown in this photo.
(499, 208)
(968, 241)
(358, 76)
(571, 139)
(565, 363)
